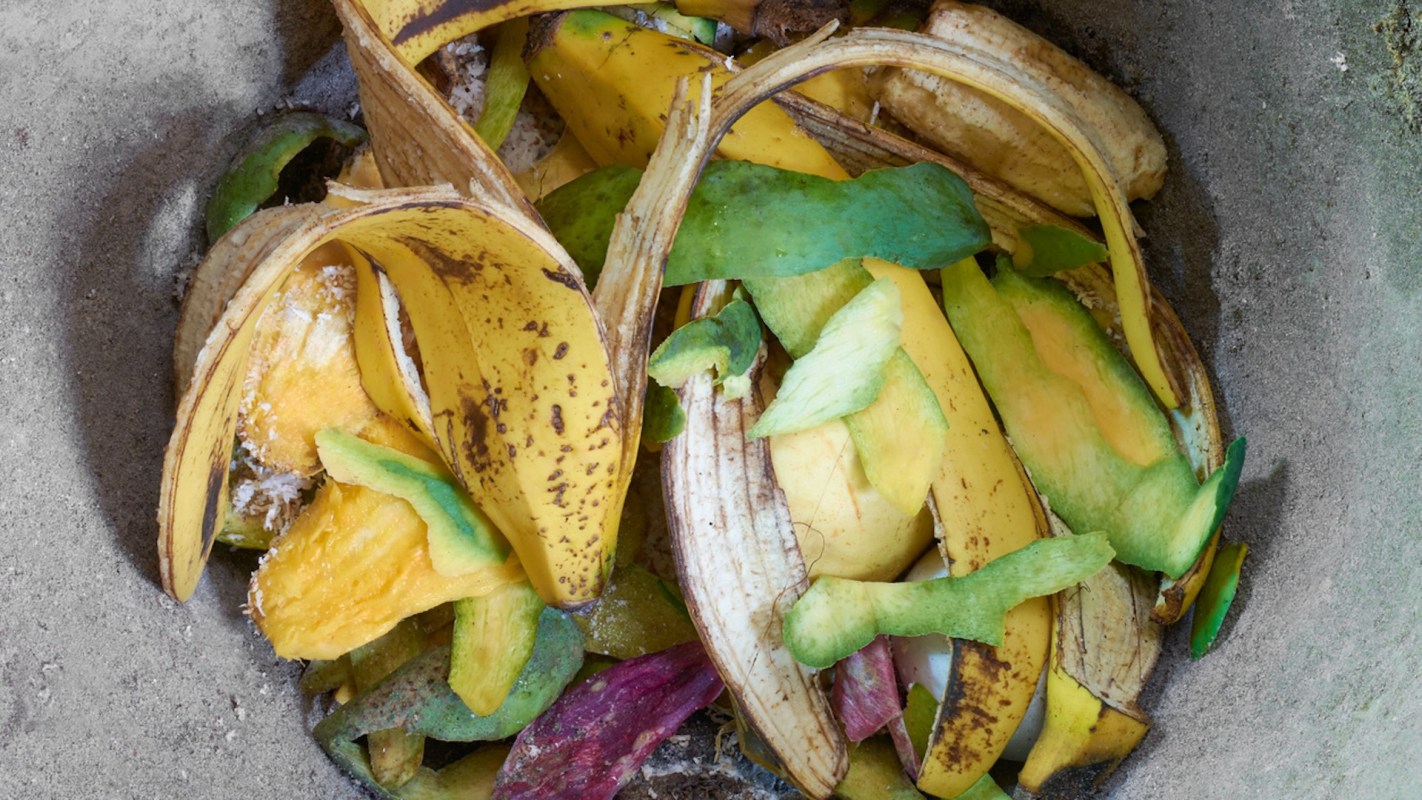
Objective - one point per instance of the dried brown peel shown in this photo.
(741, 570)
(497, 311)
(417, 137)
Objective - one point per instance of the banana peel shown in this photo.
(995, 137)
(541, 464)
(1104, 647)
(740, 581)
(417, 137)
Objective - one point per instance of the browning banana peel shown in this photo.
(486, 333)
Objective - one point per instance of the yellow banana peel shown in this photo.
(1104, 647)
(523, 403)
(987, 509)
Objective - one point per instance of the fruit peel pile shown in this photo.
(426, 405)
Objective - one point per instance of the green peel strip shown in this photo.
(1216, 597)
(1049, 249)
(752, 221)
(506, 85)
(845, 370)
(252, 178)
(726, 342)
(837, 616)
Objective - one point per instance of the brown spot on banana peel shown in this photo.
(426, 20)
(212, 512)
(564, 278)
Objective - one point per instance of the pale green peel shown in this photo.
(837, 617)
(461, 538)
(725, 342)
(844, 371)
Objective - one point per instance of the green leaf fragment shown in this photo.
(1216, 597)
(845, 370)
(837, 616)
(1050, 249)
(253, 176)
(752, 221)
(725, 342)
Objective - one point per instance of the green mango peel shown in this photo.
(1050, 249)
(253, 175)
(1215, 598)
(725, 342)
(838, 616)
(845, 370)
(747, 220)
(417, 696)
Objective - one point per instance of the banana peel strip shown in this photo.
(1196, 421)
(417, 137)
(741, 569)
(530, 329)
(868, 47)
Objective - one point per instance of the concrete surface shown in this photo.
(1289, 235)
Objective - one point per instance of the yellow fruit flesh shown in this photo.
(988, 511)
(1113, 413)
(845, 527)
(303, 375)
(353, 565)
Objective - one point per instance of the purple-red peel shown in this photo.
(590, 742)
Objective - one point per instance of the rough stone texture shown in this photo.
(1289, 236)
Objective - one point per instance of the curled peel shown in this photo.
(523, 402)
(417, 137)
(999, 78)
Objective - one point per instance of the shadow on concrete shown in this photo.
(1257, 521)
(119, 319)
